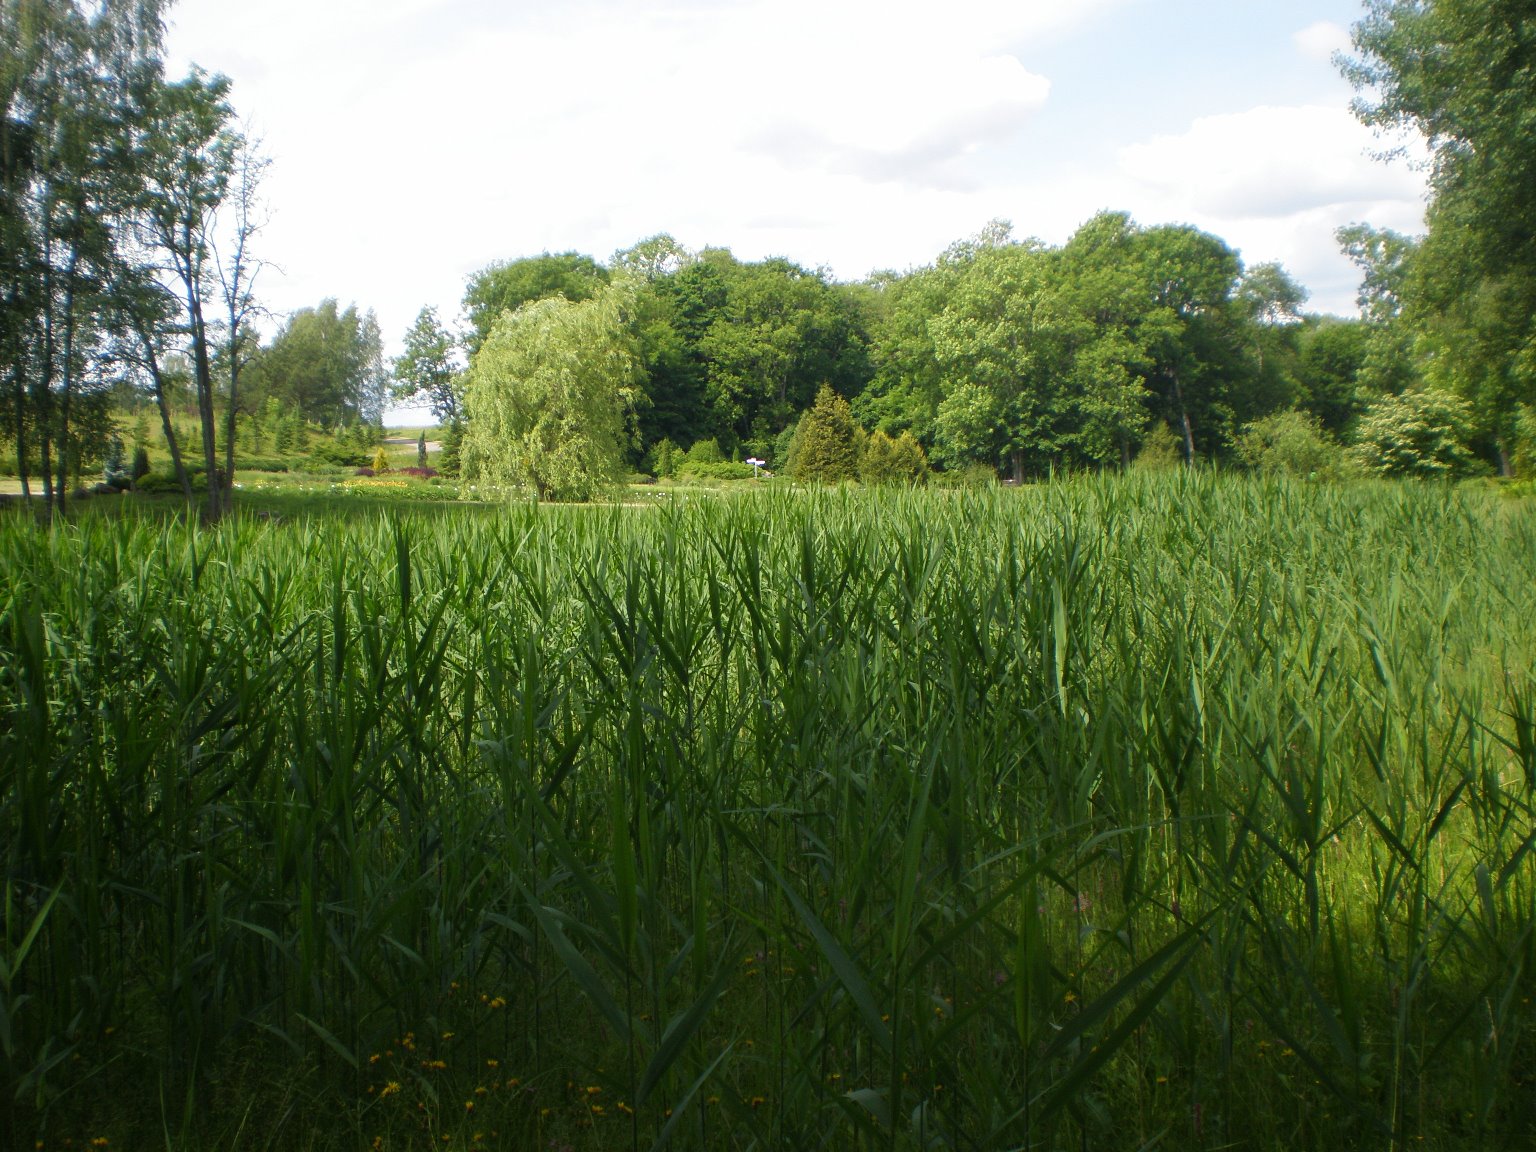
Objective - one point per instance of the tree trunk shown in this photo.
(1189, 435)
(19, 397)
(227, 482)
(162, 402)
(227, 488)
(203, 373)
(42, 390)
(1506, 467)
(62, 487)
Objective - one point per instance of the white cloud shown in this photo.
(414, 141)
(1268, 162)
(1321, 40)
(417, 140)
(1277, 182)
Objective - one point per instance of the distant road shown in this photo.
(408, 441)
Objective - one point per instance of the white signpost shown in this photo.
(757, 466)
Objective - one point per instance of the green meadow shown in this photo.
(1156, 811)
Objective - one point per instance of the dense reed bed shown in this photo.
(1176, 812)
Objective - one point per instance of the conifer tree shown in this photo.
(826, 451)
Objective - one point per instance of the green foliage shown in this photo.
(1333, 354)
(425, 372)
(705, 452)
(338, 454)
(815, 821)
(1459, 74)
(1421, 433)
(270, 464)
(784, 446)
(548, 397)
(825, 453)
(1160, 450)
(714, 470)
(504, 287)
(1290, 443)
(1042, 358)
(966, 427)
(380, 461)
(421, 449)
(166, 484)
(450, 455)
(664, 458)
(114, 467)
(325, 365)
(141, 465)
(1523, 458)
(974, 476)
(896, 460)
(776, 334)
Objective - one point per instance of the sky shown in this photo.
(413, 142)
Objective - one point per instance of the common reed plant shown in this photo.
(1153, 811)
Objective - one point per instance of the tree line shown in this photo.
(129, 207)
(1003, 353)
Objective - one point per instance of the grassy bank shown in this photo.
(1117, 813)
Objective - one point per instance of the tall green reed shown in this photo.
(1109, 812)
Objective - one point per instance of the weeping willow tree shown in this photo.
(548, 398)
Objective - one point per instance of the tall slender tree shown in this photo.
(191, 149)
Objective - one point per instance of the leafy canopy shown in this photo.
(548, 398)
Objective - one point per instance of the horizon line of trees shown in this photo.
(129, 205)
(1003, 353)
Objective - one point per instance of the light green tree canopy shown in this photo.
(548, 398)
(1422, 432)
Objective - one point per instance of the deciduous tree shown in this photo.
(548, 396)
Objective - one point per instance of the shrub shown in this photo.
(893, 460)
(1523, 458)
(165, 483)
(380, 460)
(114, 472)
(664, 458)
(714, 470)
(705, 452)
(826, 452)
(141, 466)
(452, 442)
(330, 452)
(1422, 432)
(417, 473)
(785, 446)
(970, 476)
(1290, 443)
(264, 464)
(1160, 450)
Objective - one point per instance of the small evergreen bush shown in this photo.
(1160, 450)
(896, 460)
(826, 452)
